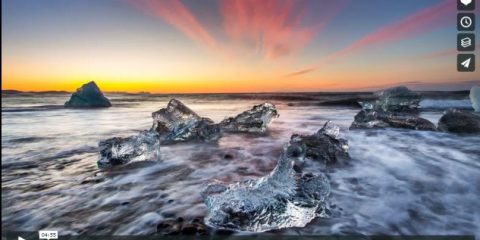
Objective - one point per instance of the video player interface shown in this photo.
(240, 119)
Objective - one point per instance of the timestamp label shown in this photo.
(47, 234)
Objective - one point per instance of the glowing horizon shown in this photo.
(230, 46)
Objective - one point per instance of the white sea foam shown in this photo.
(445, 104)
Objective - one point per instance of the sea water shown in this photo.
(398, 182)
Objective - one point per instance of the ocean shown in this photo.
(397, 182)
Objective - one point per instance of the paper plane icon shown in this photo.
(466, 63)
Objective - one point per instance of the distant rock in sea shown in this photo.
(458, 121)
(88, 96)
(475, 98)
(9, 91)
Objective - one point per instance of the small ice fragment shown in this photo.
(253, 120)
(117, 151)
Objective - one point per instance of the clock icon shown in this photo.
(466, 22)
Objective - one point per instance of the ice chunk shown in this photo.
(325, 145)
(177, 122)
(89, 95)
(118, 151)
(381, 119)
(458, 121)
(330, 129)
(366, 105)
(284, 198)
(475, 98)
(396, 107)
(397, 99)
(253, 120)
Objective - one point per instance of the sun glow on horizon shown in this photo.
(229, 46)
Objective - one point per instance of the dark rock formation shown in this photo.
(458, 121)
(380, 119)
(88, 96)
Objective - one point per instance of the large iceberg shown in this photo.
(284, 198)
(118, 151)
(253, 120)
(89, 95)
(177, 122)
(475, 98)
(326, 145)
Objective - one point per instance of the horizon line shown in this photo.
(211, 93)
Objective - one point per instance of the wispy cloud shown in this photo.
(178, 15)
(417, 23)
(274, 28)
(445, 53)
(268, 28)
(301, 72)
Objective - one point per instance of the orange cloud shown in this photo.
(422, 21)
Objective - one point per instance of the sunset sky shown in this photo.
(166, 46)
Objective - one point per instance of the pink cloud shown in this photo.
(179, 16)
(267, 28)
(274, 28)
(417, 23)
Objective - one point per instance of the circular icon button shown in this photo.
(466, 22)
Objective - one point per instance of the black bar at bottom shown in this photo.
(34, 236)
